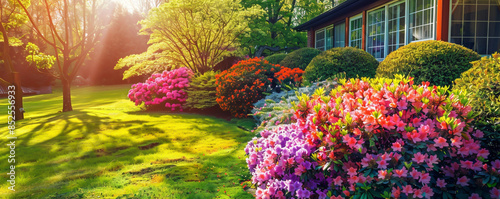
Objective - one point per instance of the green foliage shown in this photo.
(351, 61)
(276, 58)
(274, 28)
(39, 59)
(201, 91)
(196, 34)
(437, 62)
(482, 84)
(300, 58)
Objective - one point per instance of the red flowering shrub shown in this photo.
(165, 89)
(245, 83)
(289, 77)
(376, 138)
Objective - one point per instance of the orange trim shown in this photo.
(347, 36)
(443, 20)
(363, 32)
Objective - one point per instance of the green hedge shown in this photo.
(300, 58)
(351, 61)
(437, 62)
(276, 58)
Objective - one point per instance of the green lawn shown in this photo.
(107, 147)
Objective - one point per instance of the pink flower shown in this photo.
(427, 191)
(456, 142)
(382, 164)
(478, 134)
(496, 164)
(407, 190)
(475, 196)
(419, 158)
(337, 197)
(352, 171)
(425, 178)
(396, 192)
(440, 142)
(415, 174)
(440, 183)
(495, 193)
(382, 174)
(483, 153)
(418, 193)
(401, 172)
(433, 159)
(466, 164)
(337, 181)
(463, 181)
(396, 146)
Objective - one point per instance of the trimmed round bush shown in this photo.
(353, 61)
(482, 84)
(300, 58)
(276, 58)
(436, 62)
(201, 91)
(375, 138)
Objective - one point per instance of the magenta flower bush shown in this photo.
(376, 138)
(165, 89)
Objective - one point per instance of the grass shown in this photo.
(109, 148)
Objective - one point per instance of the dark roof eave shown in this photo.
(329, 15)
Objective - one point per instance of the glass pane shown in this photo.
(494, 29)
(482, 13)
(470, 12)
(457, 13)
(469, 29)
(493, 45)
(456, 29)
(468, 43)
(495, 13)
(482, 29)
(481, 46)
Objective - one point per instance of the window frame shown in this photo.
(433, 22)
(487, 37)
(355, 17)
(316, 32)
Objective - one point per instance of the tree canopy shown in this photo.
(196, 34)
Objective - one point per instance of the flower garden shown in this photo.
(404, 128)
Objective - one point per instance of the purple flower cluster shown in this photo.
(277, 162)
(165, 89)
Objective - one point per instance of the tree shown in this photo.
(72, 32)
(274, 29)
(193, 33)
(11, 18)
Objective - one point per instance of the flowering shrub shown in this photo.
(289, 78)
(376, 138)
(245, 83)
(163, 89)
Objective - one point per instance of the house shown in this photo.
(382, 26)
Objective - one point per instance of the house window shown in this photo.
(396, 21)
(376, 33)
(339, 35)
(329, 38)
(324, 38)
(421, 20)
(475, 24)
(320, 39)
(356, 27)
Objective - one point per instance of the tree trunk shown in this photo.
(66, 95)
(19, 111)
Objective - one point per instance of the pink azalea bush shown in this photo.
(165, 89)
(376, 138)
